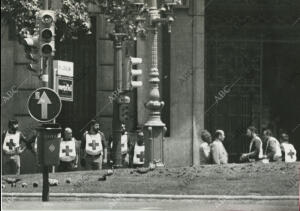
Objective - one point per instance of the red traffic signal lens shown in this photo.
(47, 19)
(47, 49)
(47, 34)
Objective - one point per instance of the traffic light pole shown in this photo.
(116, 123)
(45, 79)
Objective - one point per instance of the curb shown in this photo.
(151, 196)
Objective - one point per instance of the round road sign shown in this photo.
(44, 104)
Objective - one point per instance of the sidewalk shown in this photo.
(148, 196)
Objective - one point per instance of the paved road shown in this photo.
(152, 205)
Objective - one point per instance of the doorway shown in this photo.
(281, 87)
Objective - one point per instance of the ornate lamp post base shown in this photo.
(154, 136)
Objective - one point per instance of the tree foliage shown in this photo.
(72, 18)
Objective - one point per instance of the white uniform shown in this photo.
(93, 144)
(67, 151)
(289, 152)
(11, 142)
(124, 144)
(139, 154)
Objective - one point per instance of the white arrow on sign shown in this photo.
(44, 101)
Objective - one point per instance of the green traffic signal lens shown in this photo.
(46, 49)
(47, 34)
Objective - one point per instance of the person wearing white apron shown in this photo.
(68, 154)
(13, 144)
(124, 146)
(289, 153)
(138, 159)
(255, 148)
(94, 147)
(273, 151)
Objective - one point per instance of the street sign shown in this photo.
(63, 68)
(64, 88)
(44, 104)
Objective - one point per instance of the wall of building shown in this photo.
(15, 76)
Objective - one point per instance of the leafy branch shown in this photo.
(72, 18)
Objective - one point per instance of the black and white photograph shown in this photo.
(150, 105)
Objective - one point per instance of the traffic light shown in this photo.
(123, 112)
(31, 47)
(134, 73)
(47, 32)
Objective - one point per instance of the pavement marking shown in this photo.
(152, 196)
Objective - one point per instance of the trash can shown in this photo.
(48, 144)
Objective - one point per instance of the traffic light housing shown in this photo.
(123, 112)
(32, 53)
(134, 73)
(47, 32)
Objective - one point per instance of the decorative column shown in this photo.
(118, 39)
(154, 128)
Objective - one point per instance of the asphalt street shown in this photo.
(154, 205)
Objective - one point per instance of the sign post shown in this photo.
(63, 82)
(44, 105)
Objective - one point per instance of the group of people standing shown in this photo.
(91, 151)
(268, 150)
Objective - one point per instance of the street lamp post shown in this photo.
(121, 13)
(154, 128)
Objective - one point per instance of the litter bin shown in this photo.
(48, 144)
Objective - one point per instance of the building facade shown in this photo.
(225, 65)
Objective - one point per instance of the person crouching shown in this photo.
(68, 154)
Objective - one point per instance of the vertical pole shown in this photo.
(117, 38)
(154, 128)
(45, 192)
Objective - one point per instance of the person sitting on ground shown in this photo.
(273, 151)
(289, 153)
(69, 151)
(204, 149)
(255, 148)
(218, 151)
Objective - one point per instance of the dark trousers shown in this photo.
(11, 164)
(66, 166)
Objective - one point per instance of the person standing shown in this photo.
(124, 146)
(273, 151)
(68, 153)
(289, 153)
(138, 158)
(94, 147)
(204, 149)
(13, 144)
(255, 148)
(218, 151)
